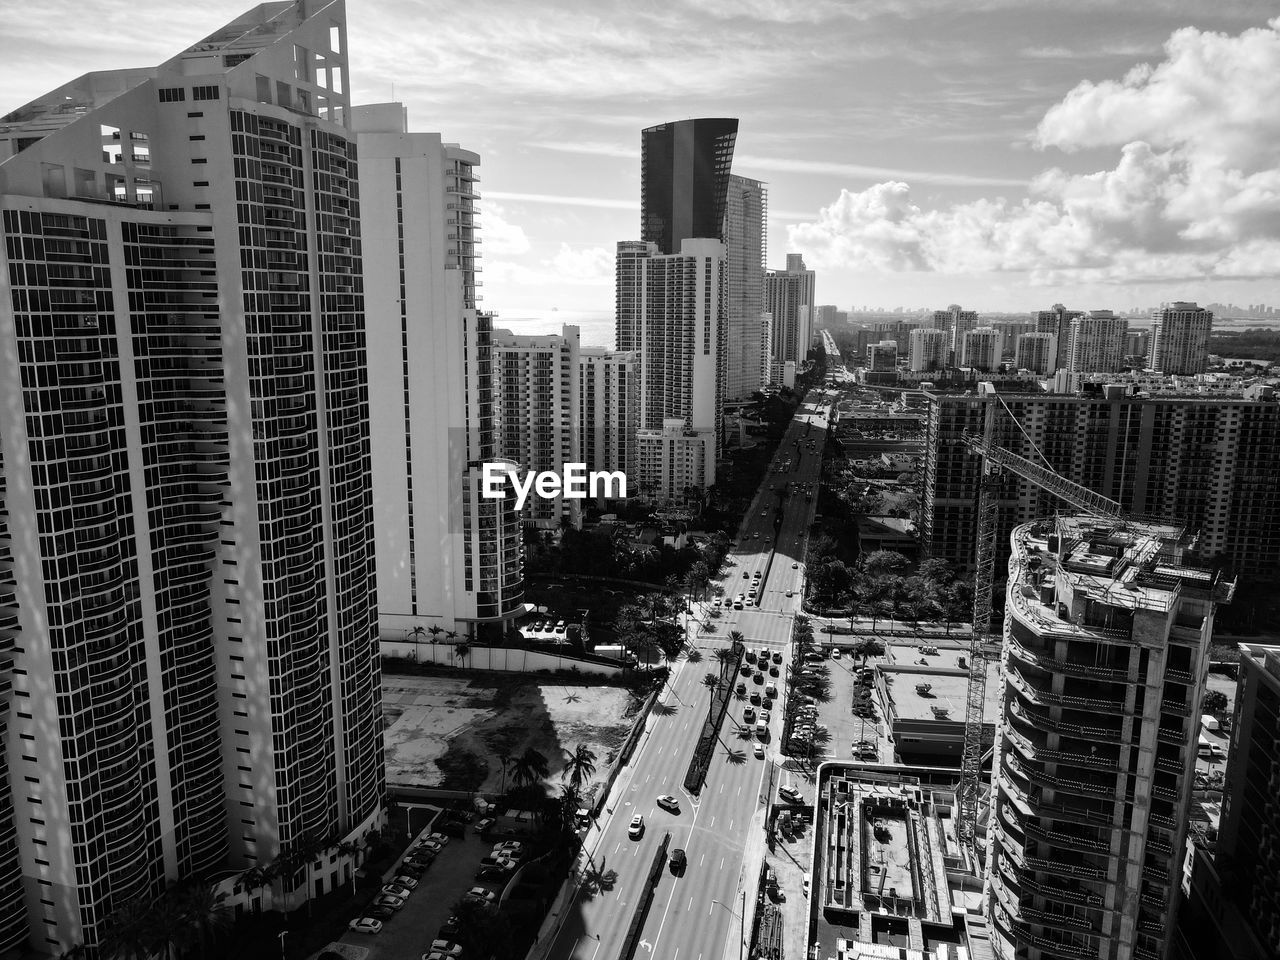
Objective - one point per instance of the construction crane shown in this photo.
(996, 461)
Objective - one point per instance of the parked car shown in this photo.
(758, 678)
(396, 890)
(758, 749)
(447, 947)
(406, 881)
(483, 825)
(777, 657)
(451, 928)
(480, 895)
(389, 901)
(434, 846)
(741, 687)
(668, 802)
(636, 830)
(748, 715)
(771, 689)
(379, 913)
(790, 794)
(503, 863)
(492, 874)
(509, 847)
(365, 925)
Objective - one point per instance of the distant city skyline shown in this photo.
(995, 155)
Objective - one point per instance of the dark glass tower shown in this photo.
(684, 180)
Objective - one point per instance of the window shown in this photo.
(173, 94)
(205, 93)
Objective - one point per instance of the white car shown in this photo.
(407, 882)
(668, 802)
(759, 750)
(446, 947)
(434, 846)
(514, 846)
(481, 895)
(636, 829)
(365, 925)
(439, 838)
(396, 890)
(790, 794)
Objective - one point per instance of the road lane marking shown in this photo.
(690, 906)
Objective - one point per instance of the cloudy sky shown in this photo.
(1004, 154)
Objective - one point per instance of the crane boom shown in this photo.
(995, 460)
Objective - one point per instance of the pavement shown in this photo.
(698, 916)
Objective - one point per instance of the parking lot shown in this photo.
(406, 935)
(837, 715)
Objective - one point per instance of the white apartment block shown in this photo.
(785, 293)
(1036, 352)
(609, 392)
(628, 286)
(682, 336)
(745, 239)
(928, 350)
(1180, 339)
(1058, 322)
(673, 460)
(187, 596)
(956, 322)
(1097, 342)
(538, 413)
(447, 558)
(980, 349)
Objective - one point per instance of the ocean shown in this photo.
(596, 325)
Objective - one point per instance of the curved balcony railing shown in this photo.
(1043, 721)
(1069, 667)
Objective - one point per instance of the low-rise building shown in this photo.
(672, 460)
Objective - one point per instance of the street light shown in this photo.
(282, 934)
(742, 923)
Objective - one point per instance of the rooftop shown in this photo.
(944, 701)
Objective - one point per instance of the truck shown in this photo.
(1210, 722)
(613, 651)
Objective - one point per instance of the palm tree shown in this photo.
(168, 925)
(461, 648)
(726, 657)
(504, 758)
(579, 765)
(128, 934)
(736, 639)
(256, 878)
(713, 684)
(204, 914)
(598, 879)
(529, 768)
(435, 630)
(416, 635)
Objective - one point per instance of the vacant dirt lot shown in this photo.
(449, 731)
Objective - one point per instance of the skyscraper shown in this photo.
(1058, 322)
(1036, 352)
(538, 412)
(682, 338)
(955, 321)
(684, 181)
(447, 557)
(628, 274)
(979, 349)
(928, 350)
(1180, 339)
(185, 428)
(786, 292)
(1106, 644)
(609, 392)
(1097, 343)
(745, 235)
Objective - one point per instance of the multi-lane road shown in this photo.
(698, 916)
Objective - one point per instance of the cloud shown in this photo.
(500, 236)
(568, 266)
(562, 200)
(1194, 192)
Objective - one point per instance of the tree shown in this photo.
(882, 563)
(726, 657)
(128, 933)
(257, 878)
(416, 635)
(579, 765)
(713, 684)
(204, 914)
(1214, 702)
(530, 767)
(504, 758)
(598, 879)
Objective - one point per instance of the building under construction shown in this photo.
(1106, 639)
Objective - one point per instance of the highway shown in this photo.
(698, 916)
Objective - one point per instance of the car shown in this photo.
(668, 802)
(482, 825)
(716, 602)
(379, 913)
(771, 689)
(502, 863)
(745, 670)
(768, 541)
(755, 536)
(755, 697)
(764, 513)
(406, 881)
(790, 794)
(805, 882)
(413, 870)
(446, 947)
(417, 861)
(742, 687)
(432, 846)
(835, 653)
(737, 604)
(773, 670)
(791, 593)
(758, 678)
(514, 846)
(866, 753)
(758, 749)
(762, 729)
(439, 838)
(777, 657)
(365, 925)
(679, 860)
(480, 895)
(387, 900)
(746, 575)
(764, 653)
(396, 890)
(435, 955)
(750, 656)
(748, 714)
(765, 716)
(636, 830)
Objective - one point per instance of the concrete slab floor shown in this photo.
(790, 862)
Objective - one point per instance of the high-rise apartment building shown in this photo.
(1097, 343)
(447, 557)
(682, 337)
(609, 392)
(955, 321)
(979, 349)
(1036, 352)
(1211, 462)
(1058, 322)
(537, 382)
(1106, 645)
(928, 350)
(1180, 339)
(189, 594)
(684, 181)
(673, 460)
(882, 356)
(628, 280)
(786, 292)
(745, 235)
(1010, 331)
(766, 348)
(1137, 343)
